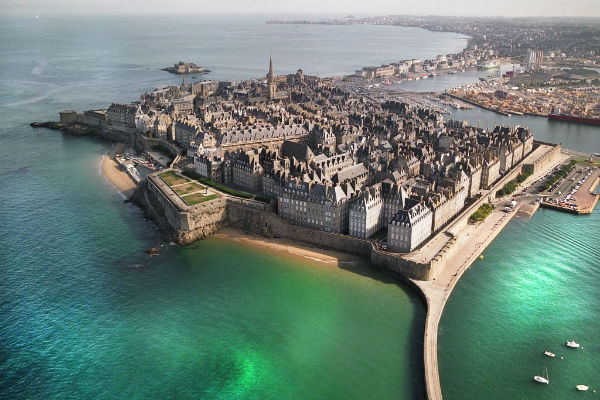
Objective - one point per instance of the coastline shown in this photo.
(110, 170)
(307, 253)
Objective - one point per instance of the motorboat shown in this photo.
(549, 354)
(582, 388)
(572, 343)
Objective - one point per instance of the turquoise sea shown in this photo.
(84, 313)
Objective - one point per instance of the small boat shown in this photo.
(549, 354)
(542, 379)
(582, 388)
(571, 343)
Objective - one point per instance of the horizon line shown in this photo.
(270, 16)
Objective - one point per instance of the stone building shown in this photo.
(331, 165)
(318, 206)
(247, 171)
(409, 227)
(185, 132)
(366, 212)
(121, 117)
(490, 171)
(209, 166)
(445, 206)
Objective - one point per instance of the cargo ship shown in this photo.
(573, 118)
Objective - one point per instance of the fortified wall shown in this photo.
(185, 224)
(189, 223)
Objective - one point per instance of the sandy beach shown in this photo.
(115, 176)
(308, 253)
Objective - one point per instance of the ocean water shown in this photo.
(536, 288)
(86, 314)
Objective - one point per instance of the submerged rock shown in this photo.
(153, 251)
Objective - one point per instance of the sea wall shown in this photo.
(184, 223)
(189, 223)
(241, 215)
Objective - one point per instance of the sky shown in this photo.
(330, 8)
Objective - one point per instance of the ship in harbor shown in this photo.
(558, 116)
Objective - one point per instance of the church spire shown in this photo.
(271, 73)
(271, 83)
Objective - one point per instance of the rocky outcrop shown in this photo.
(72, 129)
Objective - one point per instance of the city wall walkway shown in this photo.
(437, 291)
(474, 239)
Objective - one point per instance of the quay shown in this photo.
(584, 199)
(464, 99)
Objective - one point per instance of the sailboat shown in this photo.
(541, 379)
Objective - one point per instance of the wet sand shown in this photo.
(311, 254)
(118, 178)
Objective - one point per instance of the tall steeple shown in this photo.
(271, 83)
(271, 73)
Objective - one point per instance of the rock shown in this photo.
(154, 251)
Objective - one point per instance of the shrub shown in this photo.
(264, 199)
(482, 212)
(508, 188)
(561, 173)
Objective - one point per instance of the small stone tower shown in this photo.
(271, 84)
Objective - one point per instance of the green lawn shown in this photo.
(171, 178)
(197, 198)
(188, 188)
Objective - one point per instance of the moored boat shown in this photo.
(542, 379)
(574, 118)
(582, 388)
(572, 344)
(549, 354)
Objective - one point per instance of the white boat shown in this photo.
(582, 388)
(571, 343)
(549, 354)
(542, 379)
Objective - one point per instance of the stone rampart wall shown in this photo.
(185, 223)
(269, 224)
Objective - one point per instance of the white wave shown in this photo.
(33, 99)
(316, 259)
(37, 70)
